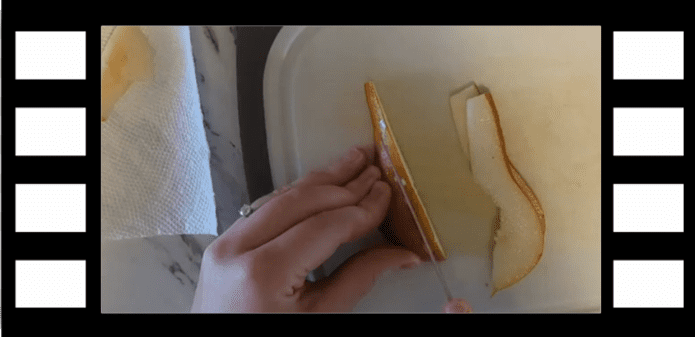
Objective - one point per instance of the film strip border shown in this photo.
(56, 270)
(51, 165)
(644, 168)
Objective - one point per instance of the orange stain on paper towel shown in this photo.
(131, 60)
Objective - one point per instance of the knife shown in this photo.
(437, 268)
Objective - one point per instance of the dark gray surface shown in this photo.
(253, 44)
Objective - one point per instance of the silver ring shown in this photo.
(246, 210)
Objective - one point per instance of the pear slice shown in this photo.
(407, 222)
(458, 103)
(519, 240)
(130, 59)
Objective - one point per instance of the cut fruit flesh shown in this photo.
(458, 107)
(518, 243)
(400, 226)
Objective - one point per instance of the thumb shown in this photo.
(457, 305)
(356, 277)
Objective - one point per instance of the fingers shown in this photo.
(364, 182)
(294, 206)
(356, 277)
(342, 171)
(458, 305)
(368, 150)
(311, 242)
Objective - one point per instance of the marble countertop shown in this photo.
(159, 274)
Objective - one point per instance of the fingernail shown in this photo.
(459, 306)
(374, 173)
(381, 189)
(411, 264)
(353, 155)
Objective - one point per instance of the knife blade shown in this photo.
(437, 268)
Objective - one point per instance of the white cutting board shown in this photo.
(546, 85)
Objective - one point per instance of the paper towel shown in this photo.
(155, 169)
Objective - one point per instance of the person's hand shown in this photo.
(457, 305)
(260, 264)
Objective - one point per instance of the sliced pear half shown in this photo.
(519, 239)
(407, 216)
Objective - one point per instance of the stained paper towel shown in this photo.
(155, 169)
